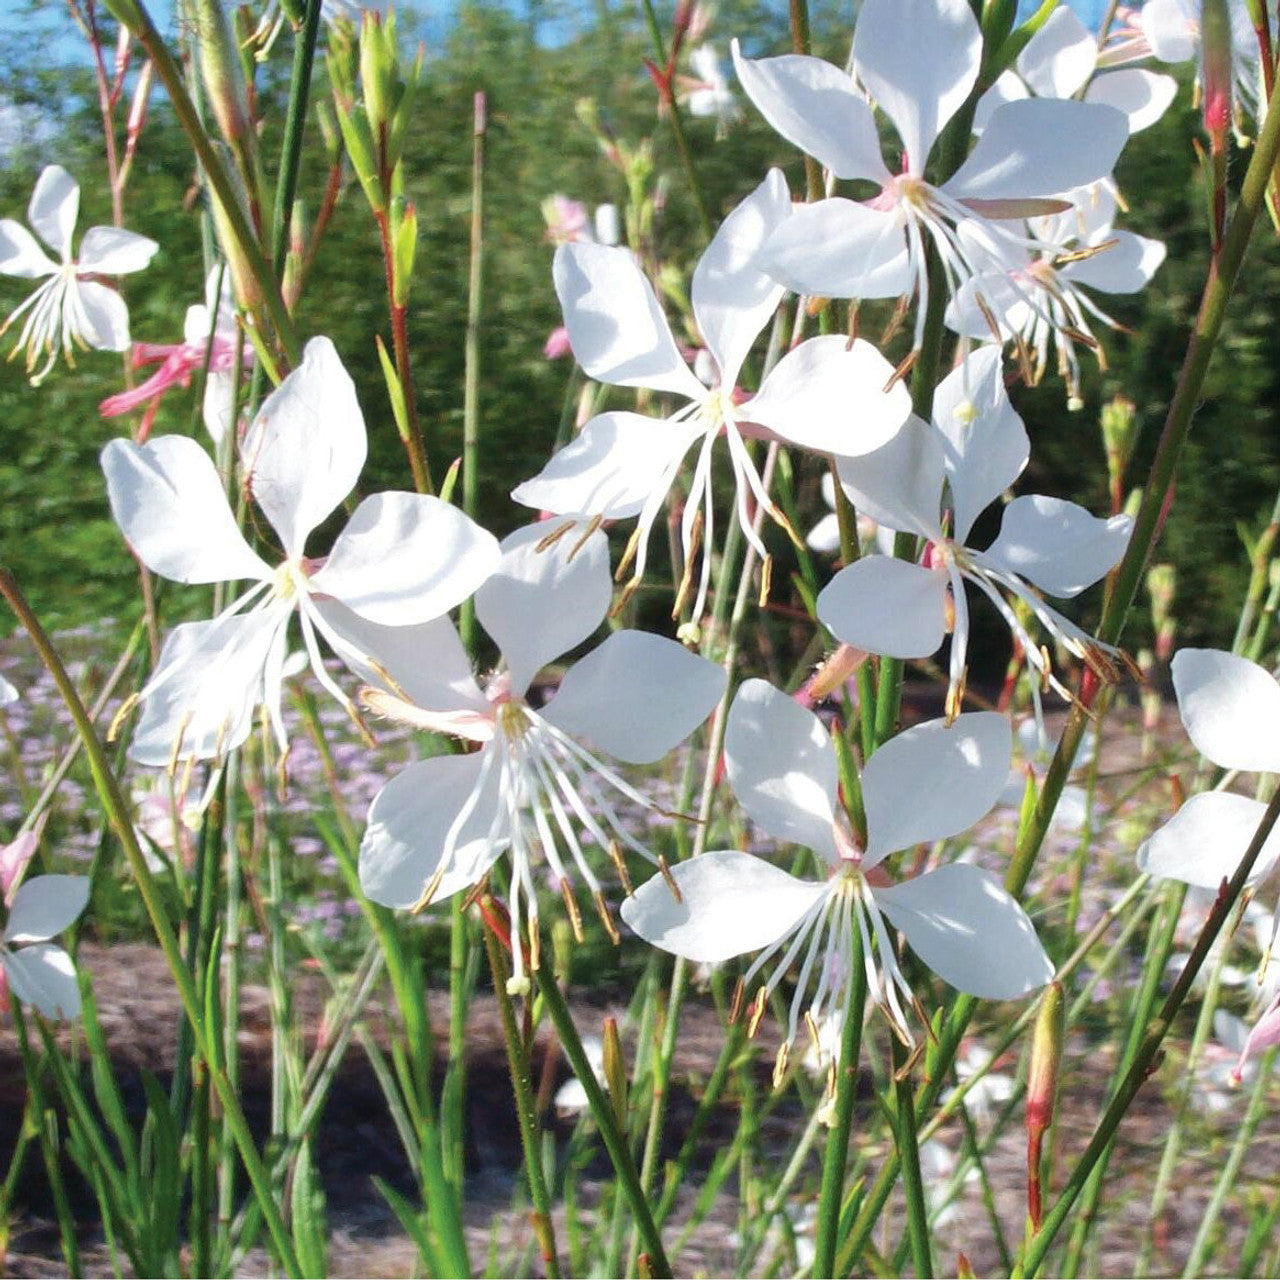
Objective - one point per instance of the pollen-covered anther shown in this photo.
(615, 856)
(424, 899)
(117, 720)
(757, 1012)
(735, 1005)
(669, 878)
(571, 906)
(549, 540)
(606, 917)
(780, 1064)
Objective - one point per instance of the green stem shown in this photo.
(614, 1139)
(1152, 1039)
(118, 814)
(908, 1144)
(836, 1157)
(526, 1112)
(304, 52)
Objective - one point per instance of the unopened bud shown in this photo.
(1119, 434)
(222, 72)
(615, 1072)
(1042, 1088)
(833, 673)
(1162, 581)
(1215, 45)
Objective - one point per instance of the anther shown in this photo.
(670, 879)
(549, 540)
(757, 1012)
(735, 1005)
(780, 1064)
(615, 856)
(117, 720)
(571, 906)
(602, 910)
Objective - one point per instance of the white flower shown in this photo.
(708, 93)
(976, 447)
(37, 971)
(824, 537)
(1039, 296)
(532, 786)
(1029, 152)
(402, 558)
(929, 783)
(1060, 60)
(825, 395)
(1172, 29)
(1230, 708)
(72, 307)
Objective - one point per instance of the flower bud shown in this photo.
(222, 73)
(1215, 43)
(1119, 435)
(1042, 1088)
(1162, 580)
(615, 1072)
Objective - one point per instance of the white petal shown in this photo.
(782, 767)
(112, 251)
(1144, 96)
(8, 694)
(170, 506)
(887, 606)
(824, 537)
(44, 906)
(1057, 545)
(1203, 843)
(20, 255)
(731, 903)
(219, 394)
(732, 296)
(616, 327)
(406, 558)
(1007, 88)
(1060, 57)
(919, 60)
(1170, 29)
(409, 822)
(636, 696)
(1125, 267)
(610, 468)
(55, 203)
(106, 318)
(815, 106)
(1041, 147)
(900, 483)
(839, 249)
(934, 780)
(539, 604)
(427, 662)
(304, 450)
(44, 977)
(1230, 707)
(202, 696)
(986, 443)
(830, 396)
(965, 926)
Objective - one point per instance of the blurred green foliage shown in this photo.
(56, 532)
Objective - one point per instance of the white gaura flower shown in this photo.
(402, 558)
(1230, 708)
(919, 61)
(707, 93)
(1041, 298)
(1060, 61)
(827, 394)
(1172, 29)
(976, 447)
(36, 970)
(72, 307)
(536, 783)
(929, 783)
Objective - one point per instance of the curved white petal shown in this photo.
(1007, 88)
(840, 249)
(1144, 96)
(616, 327)
(304, 450)
(112, 251)
(426, 663)
(1057, 545)
(170, 505)
(934, 780)
(900, 483)
(815, 106)
(202, 696)
(44, 906)
(782, 767)
(8, 694)
(730, 903)
(1040, 147)
(1171, 29)
(20, 255)
(218, 403)
(1060, 57)
(887, 606)
(539, 604)
(986, 444)
(610, 468)
(636, 696)
(106, 318)
(405, 558)
(966, 927)
(55, 204)
(732, 296)
(409, 825)
(1126, 266)
(829, 395)
(1203, 843)
(1230, 708)
(44, 977)
(824, 537)
(919, 60)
